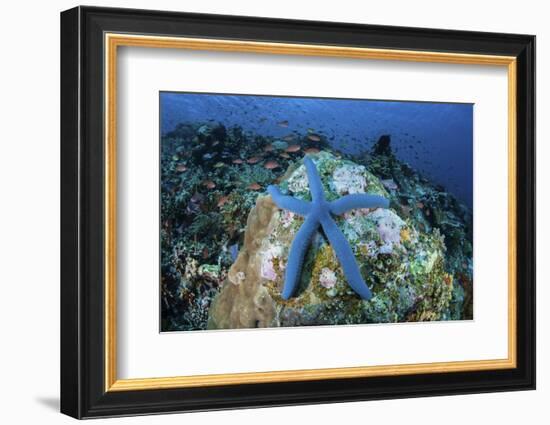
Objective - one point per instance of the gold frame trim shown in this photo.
(113, 41)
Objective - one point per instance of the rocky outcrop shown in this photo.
(403, 266)
(245, 301)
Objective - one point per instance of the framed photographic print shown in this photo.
(261, 212)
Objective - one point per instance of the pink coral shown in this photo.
(327, 278)
(286, 218)
(389, 227)
(267, 269)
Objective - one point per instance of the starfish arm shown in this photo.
(346, 258)
(315, 184)
(357, 200)
(297, 254)
(288, 202)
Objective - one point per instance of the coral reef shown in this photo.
(210, 179)
(225, 244)
(431, 208)
(405, 266)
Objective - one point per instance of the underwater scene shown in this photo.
(293, 211)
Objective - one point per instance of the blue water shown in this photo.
(435, 139)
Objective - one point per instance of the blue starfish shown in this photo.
(318, 213)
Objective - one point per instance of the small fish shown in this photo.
(314, 137)
(180, 168)
(253, 160)
(289, 138)
(219, 165)
(389, 184)
(222, 201)
(268, 148)
(254, 186)
(293, 148)
(311, 151)
(209, 184)
(271, 165)
(284, 155)
(237, 161)
(420, 205)
(283, 123)
(234, 251)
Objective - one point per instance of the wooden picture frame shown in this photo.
(90, 39)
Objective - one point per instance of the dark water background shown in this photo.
(436, 139)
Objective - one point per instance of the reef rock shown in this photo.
(403, 266)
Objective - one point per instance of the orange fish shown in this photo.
(237, 161)
(222, 201)
(253, 160)
(254, 186)
(209, 184)
(271, 165)
(284, 155)
(311, 151)
(283, 123)
(314, 137)
(289, 138)
(293, 148)
(268, 148)
(180, 168)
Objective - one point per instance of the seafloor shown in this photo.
(224, 243)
